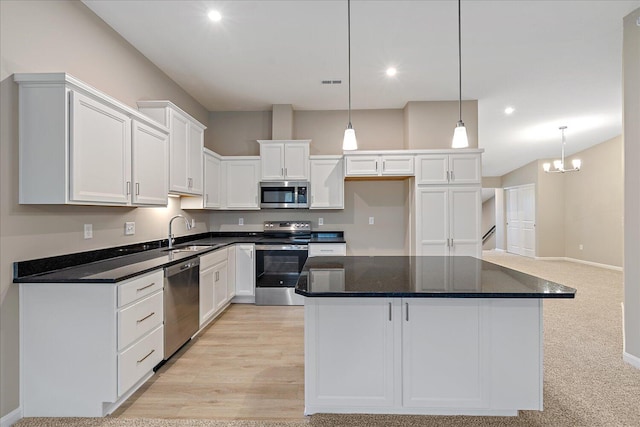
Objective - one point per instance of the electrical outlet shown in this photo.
(88, 231)
(320, 221)
(240, 221)
(580, 247)
(129, 228)
(193, 223)
(371, 220)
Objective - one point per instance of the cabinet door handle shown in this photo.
(217, 276)
(406, 305)
(286, 172)
(137, 188)
(206, 198)
(128, 187)
(384, 165)
(148, 354)
(282, 171)
(376, 166)
(145, 317)
(453, 177)
(145, 287)
(389, 312)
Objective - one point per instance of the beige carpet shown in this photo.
(586, 382)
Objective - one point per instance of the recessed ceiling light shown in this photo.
(391, 71)
(214, 15)
(509, 110)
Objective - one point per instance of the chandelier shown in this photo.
(559, 164)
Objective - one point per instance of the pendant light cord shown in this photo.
(349, 53)
(459, 65)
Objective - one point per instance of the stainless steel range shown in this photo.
(280, 256)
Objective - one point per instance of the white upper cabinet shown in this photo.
(212, 180)
(80, 146)
(464, 168)
(150, 149)
(284, 160)
(374, 164)
(186, 142)
(241, 177)
(327, 182)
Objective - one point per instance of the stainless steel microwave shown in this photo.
(284, 195)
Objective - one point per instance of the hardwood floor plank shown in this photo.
(248, 364)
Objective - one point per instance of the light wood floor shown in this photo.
(248, 364)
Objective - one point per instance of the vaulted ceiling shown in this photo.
(555, 62)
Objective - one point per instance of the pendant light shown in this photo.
(559, 164)
(460, 133)
(349, 142)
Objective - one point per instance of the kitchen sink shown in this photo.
(191, 248)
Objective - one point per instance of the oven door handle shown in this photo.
(282, 247)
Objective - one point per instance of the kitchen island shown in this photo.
(422, 335)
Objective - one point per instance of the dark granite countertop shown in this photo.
(112, 265)
(420, 277)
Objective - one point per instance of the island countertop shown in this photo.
(421, 277)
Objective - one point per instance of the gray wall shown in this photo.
(594, 200)
(53, 36)
(631, 71)
(429, 124)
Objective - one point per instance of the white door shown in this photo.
(351, 347)
(465, 213)
(513, 222)
(521, 220)
(245, 271)
(432, 169)
(527, 208)
(100, 152)
(433, 221)
(196, 143)
(453, 375)
(150, 165)
(212, 178)
(361, 165)
(178, 152)
(465, 169)
(296, 161)
(207, 305)
(272, 159)
(327, 184)
(242, 184)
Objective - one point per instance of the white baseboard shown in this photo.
(11, 418)
(580, 261)
(631, 359)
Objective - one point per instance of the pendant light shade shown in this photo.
(349, 142)
(460, 139)
(460, 136)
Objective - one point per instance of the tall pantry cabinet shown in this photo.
(448, 203)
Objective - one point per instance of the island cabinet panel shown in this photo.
(438, 356)
(353, 351)
(455, 375)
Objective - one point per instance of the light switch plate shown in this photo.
(320, 221)
(129, 228)
(88, 231)
(371, 220)
(240, 221)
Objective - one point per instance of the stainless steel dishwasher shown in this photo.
(181, 304)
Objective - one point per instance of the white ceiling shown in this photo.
(556, 62)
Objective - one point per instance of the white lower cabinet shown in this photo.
(245, 274)
(85, 348)
(423, 355)
(213, 285)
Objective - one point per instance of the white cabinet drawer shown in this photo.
(140, 287)
(138, 319)
(139, 360)
(327, 249)
(212, 258)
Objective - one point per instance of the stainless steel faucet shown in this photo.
(186, 221)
